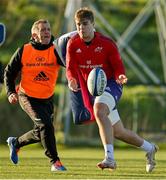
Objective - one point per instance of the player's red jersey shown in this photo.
(102, 52)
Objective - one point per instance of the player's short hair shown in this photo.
(84, 13)
(36, 23)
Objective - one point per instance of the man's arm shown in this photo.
(11, 71)
(60, 46)
(60, 61)
(71, 67)
(117, 65)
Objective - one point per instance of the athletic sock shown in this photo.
(146, 146)
(109, 151)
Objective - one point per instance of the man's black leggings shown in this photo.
(41, 113)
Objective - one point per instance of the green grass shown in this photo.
(80, 163)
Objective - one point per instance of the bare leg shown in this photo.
(132, 138)
(101, 112)
(126, 135)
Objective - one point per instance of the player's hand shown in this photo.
(13, 98)
(73, 85)
(122, 79)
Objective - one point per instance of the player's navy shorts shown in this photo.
(110, 97)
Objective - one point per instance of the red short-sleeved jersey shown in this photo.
(102, 52)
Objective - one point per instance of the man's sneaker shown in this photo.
(107, 163)
(57, 166)
(150, 165)
(13, 150)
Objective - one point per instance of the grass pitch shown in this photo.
(80, 164)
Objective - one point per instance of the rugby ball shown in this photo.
(96, 82)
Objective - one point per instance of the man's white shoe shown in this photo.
(150, 165)
(107, 163)
(57, 166)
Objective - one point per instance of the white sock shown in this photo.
(109, 151)
(146, 146)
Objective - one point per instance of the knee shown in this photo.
(119, 134)
(81, 116)
(41, 125)
(101, 111)
(99, 114)
(38, 122)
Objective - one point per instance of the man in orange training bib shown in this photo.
(38, 63)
